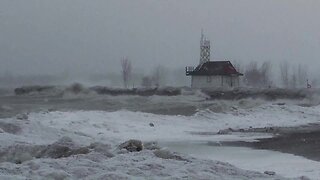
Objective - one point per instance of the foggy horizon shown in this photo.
(90, 37)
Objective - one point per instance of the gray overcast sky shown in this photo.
(54, 36)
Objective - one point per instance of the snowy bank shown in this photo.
(39, 131)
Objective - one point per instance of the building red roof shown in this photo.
(212, 68)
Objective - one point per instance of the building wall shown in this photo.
(214, 82)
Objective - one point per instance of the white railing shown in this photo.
(189, 69)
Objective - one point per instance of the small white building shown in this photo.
(212, 74)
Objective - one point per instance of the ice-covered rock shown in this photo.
(270, 173)
(101, 148)
(21, 153)
(17, 154)
(64, 147)
(10, 127)
(151, 145)
(22, 117)
(132, 145)
(65, 141)
(165, 154)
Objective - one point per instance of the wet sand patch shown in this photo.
(302, 141)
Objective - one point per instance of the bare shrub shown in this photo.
(76, 88)
(146, 82)
(284, 72)
(294, 77)
(302, 75)
(238, 66)
(158, 76)
(258, 76)
(126, 71)
(265, 71)
(293, 80)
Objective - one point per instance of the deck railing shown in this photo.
(189, 70)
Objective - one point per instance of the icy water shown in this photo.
(246, 158)
(12, 105)
(186, 105)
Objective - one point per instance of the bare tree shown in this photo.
(126, 71)
(252, 74)
(293, 80)
(158, 76)
(265, 71)
(146, 82)
(258, 76)
(302, 75)
(238, 66)
(284, 70)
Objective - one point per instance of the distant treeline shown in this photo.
(284, 74)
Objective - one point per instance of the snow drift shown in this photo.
(84, 144)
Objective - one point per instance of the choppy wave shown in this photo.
(223, 94)
(187, 103)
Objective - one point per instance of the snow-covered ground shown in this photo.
(113, 128)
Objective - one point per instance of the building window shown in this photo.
(208, 79)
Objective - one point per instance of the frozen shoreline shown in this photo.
(260, 160)
(84, 128)
(300, 140)
(113, 128)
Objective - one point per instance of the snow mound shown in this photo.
(10, 127)
(21, 153)
(141, 165)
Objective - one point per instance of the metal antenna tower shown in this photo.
(204, 49)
